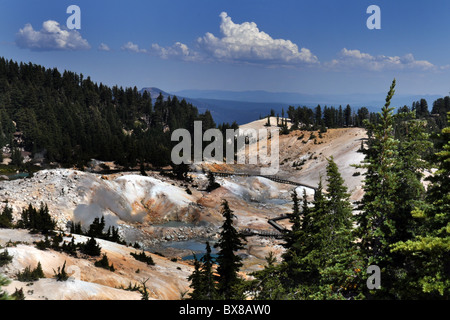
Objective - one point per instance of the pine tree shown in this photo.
(37, 220)
(4, 282)
(6, 218)
(228, 261)
(209, 290)
(339, 206)
(429, 251)
(196, 281)
(91, 247)
(104, 263)
(376, 225)
(203, 282)
(348, 116)
(300, 268)
(341, 265)
(96, 228)
(212, 184)
(5, 258)
(294, 219)
(38, 272)
(267, 284)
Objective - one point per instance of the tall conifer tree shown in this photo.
(376, 222)
(229, 262)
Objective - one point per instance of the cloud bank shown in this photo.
(132, 47)
(245, 43)
(176, 51)
(50, 37)
(355, 59)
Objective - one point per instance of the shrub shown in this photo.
(29, 275)
(37, 220)
(61, 274)
(143, 257)
(43, 244)
(5, 258)
(6, 218)
(104, 263)
(91, 248)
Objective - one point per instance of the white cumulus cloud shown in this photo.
(103, 47)
(130, 46)
(177, 51)
(51, 37)
(246, 43)
(242, 43)
(355, 59)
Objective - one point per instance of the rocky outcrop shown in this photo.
(81, 196)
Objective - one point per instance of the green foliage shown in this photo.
(4, 282)
(5, 258)
(143, 257)
(28, 275)
(227, 284)
(143, 290)
(91, 247)
(203, 282)
(398, 225)
(69, 248)
(104, 263)
(394, 204)
(429, 251)
(72, 119)
(61, 274)
(96, 230)
(43, 244)
(212, 184)
(321, 260)
(6, 218)
(266, 284)
(18, 294)
(376, 222)
(229, 263)
(37, 220)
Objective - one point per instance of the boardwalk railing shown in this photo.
(273, 178)
(261, 233)
(280, 230)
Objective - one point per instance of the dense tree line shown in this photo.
(71, 119)
(96, 230)
(318, 118)
(306, 118)
(36, 220)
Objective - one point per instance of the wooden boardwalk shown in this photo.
(273, 178)
(261, 233)
(279, 229)
(278, 233)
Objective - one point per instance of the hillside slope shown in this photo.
(168, 279)
(302, 158)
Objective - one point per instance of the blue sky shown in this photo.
(320, 46)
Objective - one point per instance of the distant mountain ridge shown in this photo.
(247, 106)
